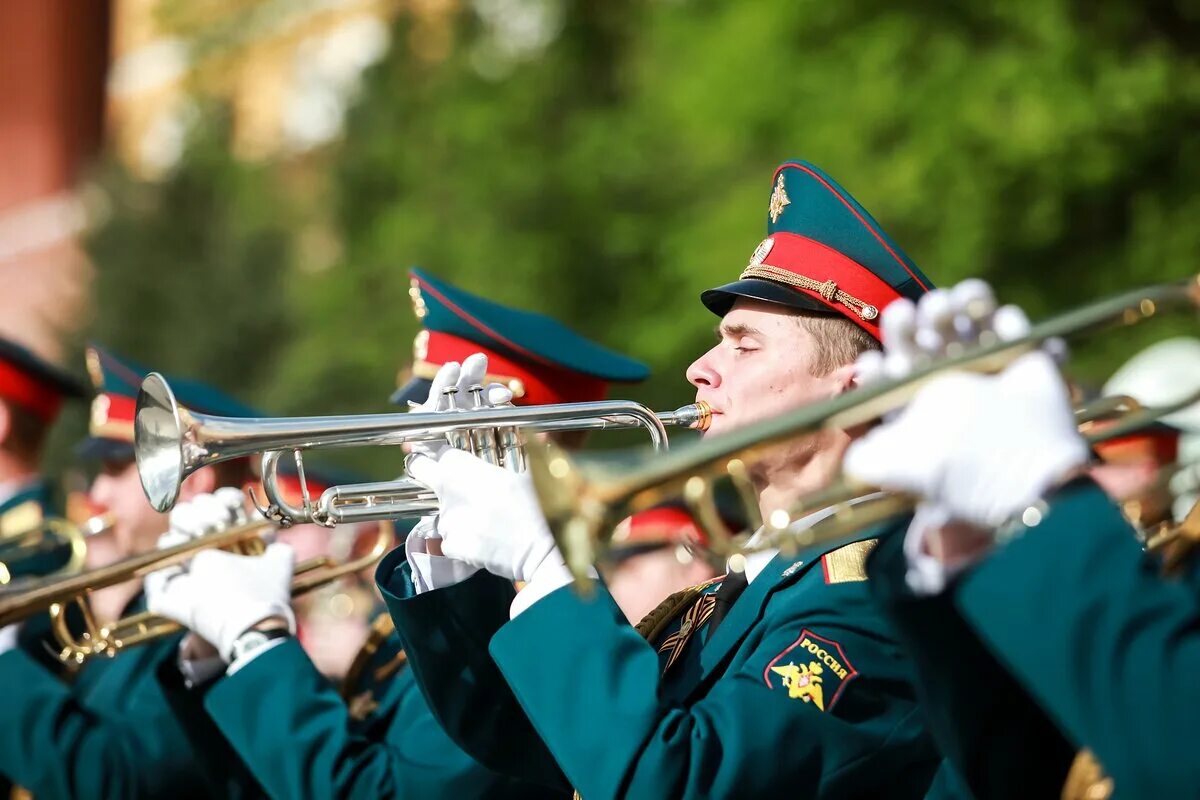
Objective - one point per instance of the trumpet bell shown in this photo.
(159, 436)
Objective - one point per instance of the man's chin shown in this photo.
(717, 425)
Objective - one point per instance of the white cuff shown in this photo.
(238, 663)
(550, 576)
(199, 671)
(927, 575)
(8, 637)
(433, 572)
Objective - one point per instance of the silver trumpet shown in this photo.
(171, 442)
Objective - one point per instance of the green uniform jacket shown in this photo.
(24, 511)
(995, 737)
(1086, 624)
(17, 514)
(301, 740)
(737, 715)
(110, 734)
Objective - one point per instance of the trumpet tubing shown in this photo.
(171, 442)
(146, 627)
(54, 591)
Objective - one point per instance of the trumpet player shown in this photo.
(377, 736)
(1150, 470)
(780, 677)
(111, 731)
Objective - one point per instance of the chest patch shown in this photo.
(811, 669)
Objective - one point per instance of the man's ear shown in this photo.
(5, 422)
(202, 481)
(842, 380)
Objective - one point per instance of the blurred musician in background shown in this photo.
(110, 731)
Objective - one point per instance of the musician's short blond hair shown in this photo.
(838, 341)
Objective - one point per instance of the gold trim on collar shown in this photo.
(381, 628)
(849, 563)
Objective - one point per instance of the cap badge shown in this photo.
(100, 408)
(418, 302)
(779, 199)
(761, 252)
(421, 346)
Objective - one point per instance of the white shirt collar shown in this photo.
(9, 489)
(757, 561)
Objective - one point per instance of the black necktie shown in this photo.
(730, 590)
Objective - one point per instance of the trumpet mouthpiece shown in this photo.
(697, 416)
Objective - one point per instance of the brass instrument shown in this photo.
(57, 595)
(54, 546)
(582, 504)
(172, 442)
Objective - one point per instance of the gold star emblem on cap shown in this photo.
(418, 302)
(779, 199)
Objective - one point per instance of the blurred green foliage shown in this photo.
(608, 177)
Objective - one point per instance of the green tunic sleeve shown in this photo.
(996, 738)
(446, 634)
(294, 730)
(111, 734)
(1108, 647)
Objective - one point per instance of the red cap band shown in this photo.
(536, 385)
(18, 386)
(1159, 444)
(112, 417)
(666, 524)
(827, 276)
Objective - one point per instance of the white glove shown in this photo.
(462, 378)
(981, 447)
(8, 637)
(913, 334)
(203, 514)
(942, 324)
(489, 517)
(221, 595)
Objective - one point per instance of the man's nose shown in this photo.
(703, 372)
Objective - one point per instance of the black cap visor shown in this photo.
(416, 391)
(97, 448)
(721, 299)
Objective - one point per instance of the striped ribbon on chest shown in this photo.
(693, 619)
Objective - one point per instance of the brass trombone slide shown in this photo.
(56, 595)
(579, 506)
(848, 516)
